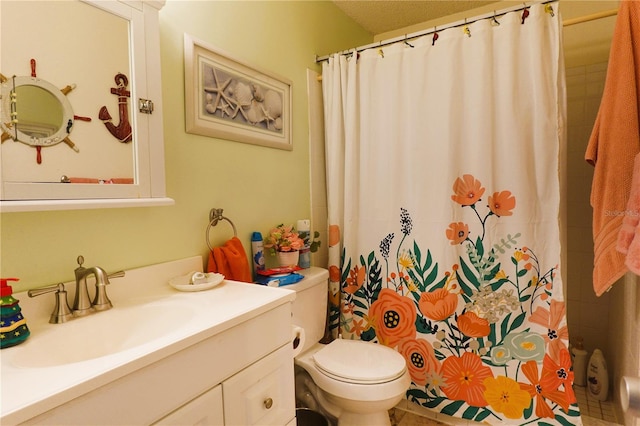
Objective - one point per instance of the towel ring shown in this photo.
(214, 216)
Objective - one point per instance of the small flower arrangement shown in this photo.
(283, 238)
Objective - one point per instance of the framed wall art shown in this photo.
(230, 99)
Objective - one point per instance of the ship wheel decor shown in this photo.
(35, 112)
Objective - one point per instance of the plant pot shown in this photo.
(288, 258)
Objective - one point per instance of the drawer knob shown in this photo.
(268, 403)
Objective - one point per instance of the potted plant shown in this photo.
(284, 242)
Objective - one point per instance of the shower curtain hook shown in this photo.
(466, 29)
(435, 36)
(347, 54)
(549, 9)
(495, 21)
(380, 51)
(525, 13)
(406, 42)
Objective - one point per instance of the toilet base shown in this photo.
(352, 404)
(380, 418)
(361, 413)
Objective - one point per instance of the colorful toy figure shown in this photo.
(13, 326)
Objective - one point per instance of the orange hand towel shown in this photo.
(614, 142)
(629, 235)
(231, 261)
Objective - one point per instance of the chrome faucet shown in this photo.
(82, 304)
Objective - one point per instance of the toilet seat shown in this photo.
(359, 362)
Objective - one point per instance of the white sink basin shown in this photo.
(102, 333)
(151, 322)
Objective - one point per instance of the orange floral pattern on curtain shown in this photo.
(483, 339)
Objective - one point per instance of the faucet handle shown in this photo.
(80, 260)
(118, 274)
(61, 312)
(101, 301)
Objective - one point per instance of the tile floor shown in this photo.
(405, 418)
(594, 413)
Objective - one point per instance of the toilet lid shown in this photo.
(359, 362)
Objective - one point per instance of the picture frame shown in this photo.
(230, 99)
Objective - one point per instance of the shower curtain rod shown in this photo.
(592, 17)
(565, 23)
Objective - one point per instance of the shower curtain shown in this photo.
(443, 197)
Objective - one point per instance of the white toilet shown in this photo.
(353, 381)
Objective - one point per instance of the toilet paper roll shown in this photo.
(297, 339)
(630, 395)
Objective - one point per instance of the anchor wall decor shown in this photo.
(122, 131)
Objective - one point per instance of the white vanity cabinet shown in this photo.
(204, 410)
(227, 361)
(258, 395)
(240, 377)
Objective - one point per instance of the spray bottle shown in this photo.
(257, 253)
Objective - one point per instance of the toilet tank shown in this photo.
(309, 309)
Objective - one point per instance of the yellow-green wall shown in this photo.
(257, 187)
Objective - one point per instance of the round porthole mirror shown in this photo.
(35, 112)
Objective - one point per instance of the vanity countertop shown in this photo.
(31, 389)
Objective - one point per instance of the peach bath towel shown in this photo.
(629, 235)
(614, 142)
(231, 261)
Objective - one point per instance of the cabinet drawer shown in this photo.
(204, 410)
(263, 393)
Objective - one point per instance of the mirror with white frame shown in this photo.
(47, 116)
(74, 134)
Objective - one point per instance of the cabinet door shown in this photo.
(203, 411)
(263, 393)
